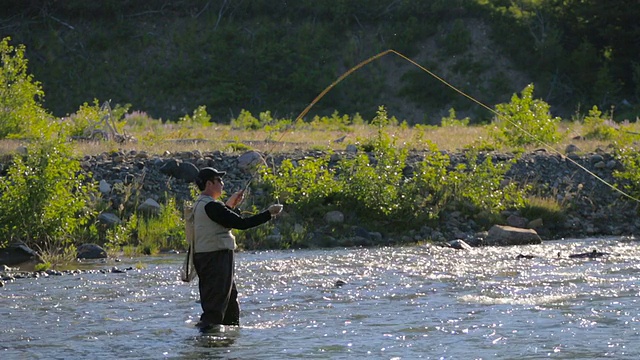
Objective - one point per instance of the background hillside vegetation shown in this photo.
(246, 96)
(169, 57)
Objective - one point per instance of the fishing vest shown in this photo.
(209, 235)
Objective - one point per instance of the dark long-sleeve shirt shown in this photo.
(227, 217)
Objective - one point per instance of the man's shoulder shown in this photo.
(214, 203)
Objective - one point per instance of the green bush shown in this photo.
(480, 184)
(453, 121)
(96, 121)
(628, 178)
(21, 113)
(199, 117)
(372, 190)
(427, 193)
(44, 197)
(526, 121)
(306, 186)
(246, 121)
(596, 126)
(166, 230)
(371, 182)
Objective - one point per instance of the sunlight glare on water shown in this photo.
(393, 303)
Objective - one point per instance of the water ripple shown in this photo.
(392, 302)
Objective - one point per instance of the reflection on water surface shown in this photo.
(401, 303)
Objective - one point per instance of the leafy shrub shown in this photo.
(238, 146)
(371, 182)
(118, 237)
(597, 126)
(246, 121)
(21, 114)
(452, 120)
(382, 118)
(526, 121)
(306, 185)
(427, 193)
(44, 197)
(199, 117)
(90, 120)
(42, 266)
(164, 231)
(480, 184)
(628, 179)
(373, 189)
(333, 122)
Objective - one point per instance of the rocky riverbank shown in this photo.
(591, 207)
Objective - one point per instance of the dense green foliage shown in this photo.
(43, 200)
(597, 126)
(20, 95)
(582, 51)
(168, 58)
(526, 120)
(47, 201)
(371, 187)
(628, 178)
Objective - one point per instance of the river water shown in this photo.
(398, 303)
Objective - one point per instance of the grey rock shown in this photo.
(104, 187)
(352, 149)
(535, 223)
(250, 160)
(149, 207)
(91, 251)
(18, 253)
(516, 221)
(500, 235)
(571, 148)
(459, 244)
(334, 217)
(109, 219)
(180, 170)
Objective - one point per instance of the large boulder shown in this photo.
(150, 207)
(109, 219)
(18, 253)
(180, 170)
(500, 235)
(91, 251)
(250, 160)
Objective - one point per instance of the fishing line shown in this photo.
(317, 98)
(501, 116)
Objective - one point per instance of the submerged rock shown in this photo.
(91, 251)
(459, 244)
(18, 253)
(589, 255)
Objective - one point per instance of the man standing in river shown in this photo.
(214, 248)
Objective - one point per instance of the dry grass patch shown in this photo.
(170, 137)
